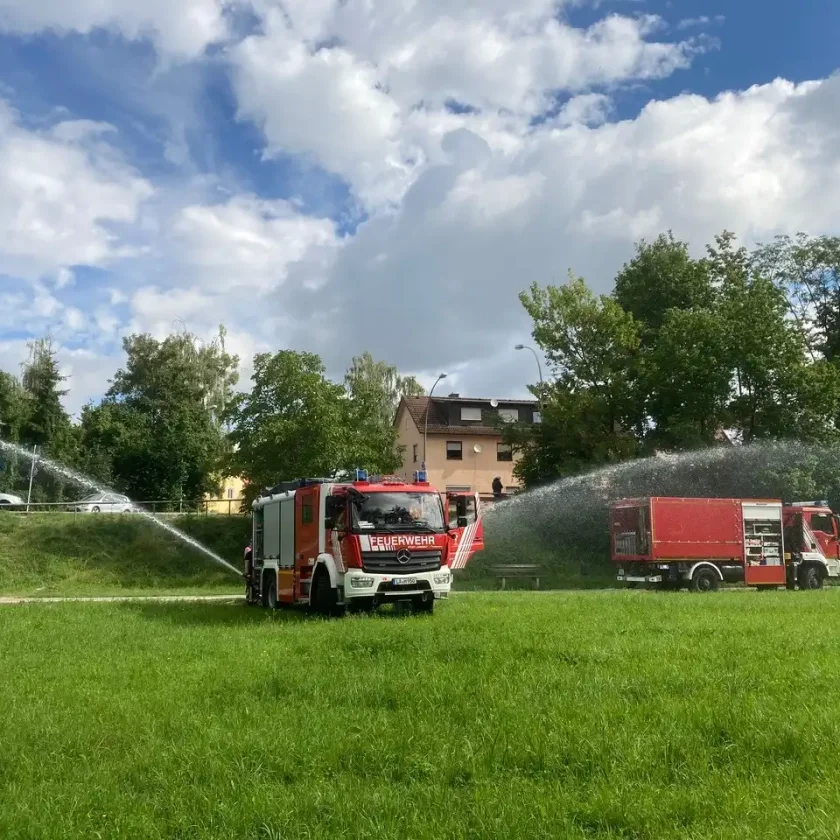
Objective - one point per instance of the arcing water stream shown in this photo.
(83, 481)
(569, 518)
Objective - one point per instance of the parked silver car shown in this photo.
(8, 501)
(103, 503)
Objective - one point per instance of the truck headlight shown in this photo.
(361, 582)
(440, 579)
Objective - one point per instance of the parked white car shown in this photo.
(103, 503)
(9, 500)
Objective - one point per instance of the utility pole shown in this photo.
(31, 476)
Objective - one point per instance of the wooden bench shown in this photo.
(517, 571)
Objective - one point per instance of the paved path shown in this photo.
(92, 599)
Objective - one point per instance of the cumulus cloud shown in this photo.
(61, 189)
(476, 136)
(342, 84)
(183, 29)
(439, 279)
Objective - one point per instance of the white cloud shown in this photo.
(435, 284)
(183, 29)
(703, 20)
(60, 190)
(343, 85)
(476, 135)
(245, 243)
(438, 281)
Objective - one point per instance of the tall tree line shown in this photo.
(685, 350)
(171, 425)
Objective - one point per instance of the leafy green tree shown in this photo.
(774, 383)
(12, 407)
(662, 276)
(290, 425)
(688, 379)
(157, 433)
(45, 422)
(12, 412)
(592, 347)
(374, 390)
(807, 270)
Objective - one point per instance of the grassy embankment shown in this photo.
(59, 554)
(573, 715)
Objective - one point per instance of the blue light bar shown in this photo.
(419, 476)
(361, 475)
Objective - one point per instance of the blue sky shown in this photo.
(326, 178)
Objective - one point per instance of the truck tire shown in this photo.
(324, 598)
(811, 577)
(705, 579)
(269, 590)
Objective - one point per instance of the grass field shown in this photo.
(579, 715)
(62, 554)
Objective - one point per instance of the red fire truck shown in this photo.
(334, 546)
(675, 542)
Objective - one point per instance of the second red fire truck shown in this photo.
(355, 545)
(700, 543)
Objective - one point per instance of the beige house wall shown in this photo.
(232, 488)
(476, 470)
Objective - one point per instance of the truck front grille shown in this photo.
(386, 563)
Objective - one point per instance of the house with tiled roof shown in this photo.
(463, 445)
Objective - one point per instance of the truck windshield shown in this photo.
(398, 512)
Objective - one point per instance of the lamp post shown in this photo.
(539, 367)
(426, 419)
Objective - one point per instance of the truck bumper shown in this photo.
(384, 588)
(639, 578)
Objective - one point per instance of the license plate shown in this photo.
(405, 581)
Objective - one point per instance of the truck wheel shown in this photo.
(269, 595)
(705, 580)
(811, 577)
(324, 599)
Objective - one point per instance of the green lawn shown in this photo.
(63, 554)
(580, 715)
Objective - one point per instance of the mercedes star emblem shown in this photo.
(403, 556)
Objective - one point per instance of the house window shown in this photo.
(537, 417)
(454, 450)
(415, 453)
(230, 492)
(504, 452)
(509, 415)
(471, 414)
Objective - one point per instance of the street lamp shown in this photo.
(426, 420)
(539, 367)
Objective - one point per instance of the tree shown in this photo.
(661, 277)
(12, 407)
(374, 390)
(774, 385)
(157, 433)
(45, 423)
(12, 411)
(807, 270)
(688, 379)
(589, 411)
(291, 424)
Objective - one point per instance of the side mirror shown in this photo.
(462, 522)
